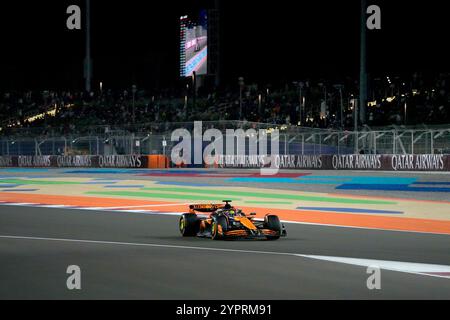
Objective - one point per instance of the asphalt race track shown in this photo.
(132, 255)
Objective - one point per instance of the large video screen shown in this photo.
(194, 45)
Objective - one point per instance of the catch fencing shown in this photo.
(153, 139)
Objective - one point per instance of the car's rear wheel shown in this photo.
(218, 227)
(273, 223)
(189, 225)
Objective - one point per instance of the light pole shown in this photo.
(362, 67)
(406, 107)
(300, 86)
(301, 101)
(241, 87)
(186, 102)
(194, 87)
(323, 85)
(164, 145)
(339, 87)
(133, 90)
(87, 61)
(259, 103)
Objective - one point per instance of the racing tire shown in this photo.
(273, 223)
(189, 225)
(217, 222)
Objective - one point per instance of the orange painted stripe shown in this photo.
(317, 217)
(76, 200)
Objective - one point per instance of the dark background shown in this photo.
(136, 41)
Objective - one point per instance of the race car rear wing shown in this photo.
(206, 207)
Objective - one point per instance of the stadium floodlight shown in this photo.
(134, 90)
(259, 103)
(406, 108)
(363, 66)
(241, 87)
(340, 87)
(301, 101)
(88, 60)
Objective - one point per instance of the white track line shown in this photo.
(397, 266)
(405, 267)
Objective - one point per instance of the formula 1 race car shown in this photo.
(227, 222)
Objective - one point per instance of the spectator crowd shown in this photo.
(412, 100)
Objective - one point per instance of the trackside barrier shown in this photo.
(77, 161)
(86, 161)
(158, 162)
(401, 162)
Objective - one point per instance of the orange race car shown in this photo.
(227, 222)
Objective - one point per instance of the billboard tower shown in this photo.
(200, 46)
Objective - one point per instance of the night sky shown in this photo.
(136, 41)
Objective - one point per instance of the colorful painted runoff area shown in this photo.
(153, 195)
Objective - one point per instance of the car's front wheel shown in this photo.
(273, 223)
(218, 227)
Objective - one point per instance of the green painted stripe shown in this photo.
(41, 182)
(225, 193)
(155, 195)
(268, 202)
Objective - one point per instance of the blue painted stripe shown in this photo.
(432, 183)
(321, 181)
(349, 210)
(362, 179)
(356, 181)
(9, 185)
(388, 187)
(25, 170)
